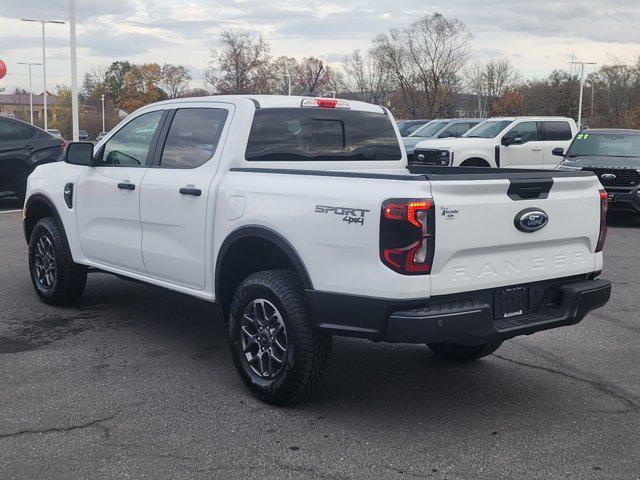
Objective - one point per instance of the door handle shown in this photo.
(536, 149)
(194, 192)
(126, 186)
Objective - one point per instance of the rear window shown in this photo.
(314, 134)
(557, 131)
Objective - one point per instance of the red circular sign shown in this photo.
(3, 69)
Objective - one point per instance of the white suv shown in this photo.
(516, 142)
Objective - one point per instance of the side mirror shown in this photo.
(511, 138)
(79, 153)
(559, 151)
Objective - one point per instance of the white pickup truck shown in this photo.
(299, 217)
(515, 142)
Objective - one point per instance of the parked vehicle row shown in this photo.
(407, 127)
(516, 142)
(298, 216)
(441, 128)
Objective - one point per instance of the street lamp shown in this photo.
(29, 64)
(102, 100)
(44, 61)
(582, 64)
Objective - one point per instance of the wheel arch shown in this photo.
(37, 207)
(270, 250)
(475, 161)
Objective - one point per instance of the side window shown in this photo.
(9, 131)
(28, 131)
(193, 137)
(130, 145)
(527, 131)
(461, 128)
(557, 131)
(450, 131)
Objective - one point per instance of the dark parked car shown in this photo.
(83, 135)
(614, 156)
(22, 148)
(407, 127)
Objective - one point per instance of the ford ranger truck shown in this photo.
(513, 142)
(299, 218)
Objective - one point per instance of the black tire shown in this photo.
(464, 353)
(304, 361)
(69, 278)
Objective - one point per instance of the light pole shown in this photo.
(102, 99)
(582, 64)
(29, 64)
(288, 75)
(75, 121)
(44, 62)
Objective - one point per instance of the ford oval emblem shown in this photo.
(608, 176)
(531, 220)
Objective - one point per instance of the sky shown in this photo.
(537, 36)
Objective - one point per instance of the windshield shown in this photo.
(321, 134)
(487, 129)
(605, 145)
(430, 129)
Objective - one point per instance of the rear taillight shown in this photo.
(604, 207)
(63, 144)
(407, 235)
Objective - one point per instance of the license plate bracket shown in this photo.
(510, 302)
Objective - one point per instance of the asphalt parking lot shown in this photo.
(136, 382)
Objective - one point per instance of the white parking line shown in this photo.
(10, 211)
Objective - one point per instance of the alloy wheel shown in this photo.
(45, 263)
(264, 338)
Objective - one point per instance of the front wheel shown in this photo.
(277, 353)
(56, 278)
(464, 353)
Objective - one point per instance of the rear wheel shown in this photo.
(277, 353)
(56, 278)
(464, 353)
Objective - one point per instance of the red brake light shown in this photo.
(604, 208)
(407, 235)
(326, 102)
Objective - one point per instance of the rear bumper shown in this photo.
(461, 318)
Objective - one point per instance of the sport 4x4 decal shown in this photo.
(350, 215)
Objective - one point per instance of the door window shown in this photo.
(557, 131)
(9, 131)
(527, 131)
(193, 137)
(129, 146)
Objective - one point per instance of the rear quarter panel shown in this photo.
(340, 256)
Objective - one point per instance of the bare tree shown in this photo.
(284, 70)
(241, 65)
(175, 79)
(312, 76)
(425, 59)
(366, 79)
(489, 81)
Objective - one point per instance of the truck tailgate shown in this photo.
(479, 246)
